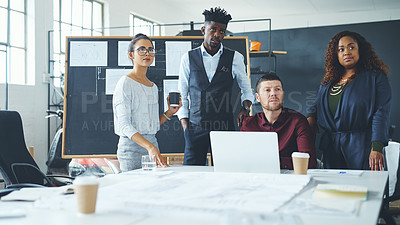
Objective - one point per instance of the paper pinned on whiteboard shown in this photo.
(123, 58)
(174, 50)
(112, 78)
(84, 53)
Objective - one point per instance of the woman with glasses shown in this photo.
(136, 110)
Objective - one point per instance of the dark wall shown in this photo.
(302, 69)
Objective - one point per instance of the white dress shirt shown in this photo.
(210, 65)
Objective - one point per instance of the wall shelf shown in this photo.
(259, 54)
(266, 53)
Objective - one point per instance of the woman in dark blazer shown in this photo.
(353, 105)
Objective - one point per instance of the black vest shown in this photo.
(210, 103)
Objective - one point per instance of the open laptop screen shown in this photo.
(248, 152)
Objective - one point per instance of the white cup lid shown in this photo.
(86, 180)
(174, 91)
(300, 155)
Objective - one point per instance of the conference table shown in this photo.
(121, 199)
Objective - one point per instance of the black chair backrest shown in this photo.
(55, 160)
(13, 150)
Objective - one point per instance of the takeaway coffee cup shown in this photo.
(300, 162)
(174, 97)
(85, 189)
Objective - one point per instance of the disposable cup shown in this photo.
(174, 97)
(85, 189)
(300, 162)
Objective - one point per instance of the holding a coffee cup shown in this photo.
(300, 162)
(174, 98)
(85, 189)
(174, 103)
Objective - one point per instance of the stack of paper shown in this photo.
(33, 194)
(339, 199)
(337, 191)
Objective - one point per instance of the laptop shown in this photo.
(247, 152)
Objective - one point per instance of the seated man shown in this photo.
(294, 133)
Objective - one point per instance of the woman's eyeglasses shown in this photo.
(142, 51)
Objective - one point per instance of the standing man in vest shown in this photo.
(206, 77)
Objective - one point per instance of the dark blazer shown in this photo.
(362, 116)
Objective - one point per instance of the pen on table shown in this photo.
(342, 172)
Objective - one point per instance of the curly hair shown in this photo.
(368, 58)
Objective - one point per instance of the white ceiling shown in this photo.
(284, 13)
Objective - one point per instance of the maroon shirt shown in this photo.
(294, 134)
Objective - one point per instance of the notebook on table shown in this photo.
(247, 152)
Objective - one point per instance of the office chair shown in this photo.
(16, 164)
(392, 161)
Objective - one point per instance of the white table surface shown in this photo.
(367, 215)
(369, 210)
